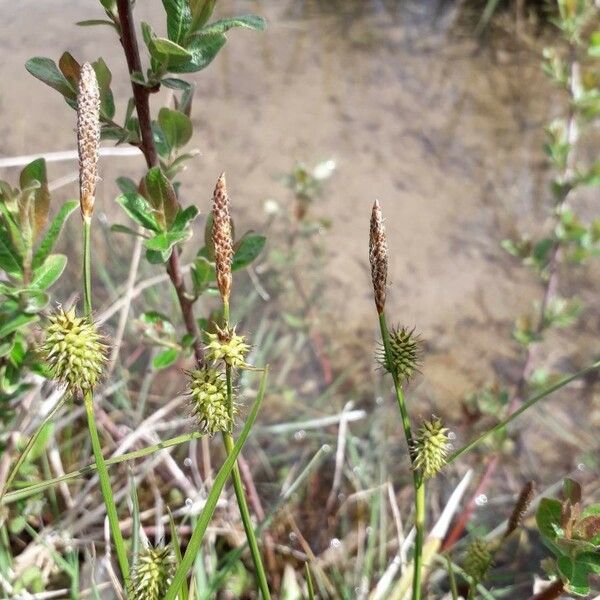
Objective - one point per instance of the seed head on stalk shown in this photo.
(208, 394)
(73, 350)
(431, 448)
(222, 238)
(152, 573)
(478, 559)
(378, 257)
(88, 137)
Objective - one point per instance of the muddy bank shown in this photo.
(448, 135)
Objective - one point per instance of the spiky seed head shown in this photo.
(88, 137)
(405, 353)
(152, 573)
(208, 391)
(227, 346)
(520, 508)
(222, 238)
(378, 256)
(478, 559)
(73, 350)
(430, 448)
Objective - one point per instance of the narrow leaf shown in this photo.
(203, 49)
(161, 194)
(165, 358)
(35, 172)
(45, 70)
(176, 126)
(10, 261)
(179, 18)
(16, 323)
(250, 246)
(49, 272)
(139, 210)
(248, 21)
(49, 240)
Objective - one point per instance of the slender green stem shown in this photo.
(452, 578)
(240, 494)
(88, 399)
(109, 501)
(525, 406)
(87, 271)
(418, 481)
(419, 535)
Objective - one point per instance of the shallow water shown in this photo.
(445, 132)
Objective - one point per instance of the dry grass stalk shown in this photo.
(88, 137)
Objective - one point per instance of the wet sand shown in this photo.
(446, 133)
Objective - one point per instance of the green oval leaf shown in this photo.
(45, 70)
(203, 48)
(165, 358)
(138, 208)
(176, 126)
(248, 249)
(49, 272)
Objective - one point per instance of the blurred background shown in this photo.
(338, 103)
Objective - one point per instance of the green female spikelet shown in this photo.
(227, 346)
(430, 448)
(73, 350)
(405, 353)
(478, 559)
(152, 573)
(208, 391)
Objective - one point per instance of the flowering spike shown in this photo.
(222, 238)
(152, 573)
(430, 448)
(478, 559)
(208, 391)
(88, 137)
(227, 346)
(405, 353)
(378, 257)
(520, 508)
(73, 350)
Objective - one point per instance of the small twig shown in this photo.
(64, 155)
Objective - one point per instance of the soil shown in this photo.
(444, 129)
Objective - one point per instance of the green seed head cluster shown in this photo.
(478, 559)
(152, 573)
(431, 448)
(405, 353)
(73, 350)
(208, 391)
(227, 346)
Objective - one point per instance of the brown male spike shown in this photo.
(88, 137)
(222, 238)
(520, 508)
(378, 256)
